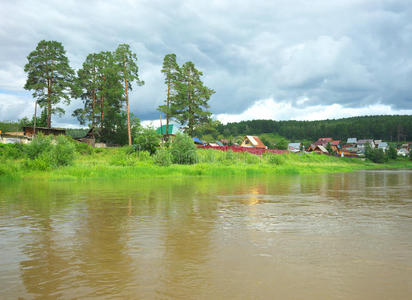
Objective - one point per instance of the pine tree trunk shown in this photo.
(127, 102)
(167, 111)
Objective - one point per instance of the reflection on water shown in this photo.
(345, 236)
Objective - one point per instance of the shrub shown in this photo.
(143, 155)
(13, 151)
(275, 159)
(376, 155)
(163, 157)
(42, 162)
(84, 148)
(63, 152)
(146, 140)
(40, 144)
(392, 152)
(183, 150)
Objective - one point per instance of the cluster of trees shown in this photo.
(389, 128)
(187, 98)
(103, 84)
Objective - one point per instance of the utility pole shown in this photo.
(35, 118)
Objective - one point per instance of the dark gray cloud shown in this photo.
(351, 53)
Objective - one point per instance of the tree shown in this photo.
(191, 104)
(171, 71)
(392, 152)
(49, 76)
(87, 85)
(129, 71)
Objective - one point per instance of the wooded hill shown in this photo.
(395, 128)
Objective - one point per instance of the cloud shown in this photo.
(342, 54)
(271, 110)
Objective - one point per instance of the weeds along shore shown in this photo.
(65, 159)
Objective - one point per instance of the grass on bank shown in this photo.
(66, 160)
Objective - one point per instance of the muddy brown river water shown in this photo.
(339, 236)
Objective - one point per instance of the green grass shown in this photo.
(116, 163)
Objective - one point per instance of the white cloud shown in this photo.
(286, 110)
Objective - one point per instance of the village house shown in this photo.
(361, 144)
(383, 145)
(317, 149)
(323, 141)
(294, 147)
(352, 141)
(253, 142)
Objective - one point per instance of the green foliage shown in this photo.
(12, 151)
(40, 144)
(329, 148)
(183, 150)
(376, 127)
(282, 144)
(392, 152)
(191, 102)
(84, 149)
(163, 157)
(147, 140)
(275, 159)
(63, 152)
(376, 155)
(410, 154)
(49, 76)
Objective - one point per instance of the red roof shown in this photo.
(325, 140)
(335, 142)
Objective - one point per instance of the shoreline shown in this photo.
(115, 164)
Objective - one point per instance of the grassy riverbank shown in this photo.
(120, 163)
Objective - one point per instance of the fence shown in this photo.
(244, 149)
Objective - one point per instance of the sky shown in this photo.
(281, 60)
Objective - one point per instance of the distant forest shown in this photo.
(389, 128)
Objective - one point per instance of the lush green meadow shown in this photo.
(66, 160)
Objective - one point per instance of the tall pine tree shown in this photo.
(128, 68)
(49, 76)
(191, 105)
(170, 71)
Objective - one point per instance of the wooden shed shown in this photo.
(29, 131)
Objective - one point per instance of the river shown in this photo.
(328, 236)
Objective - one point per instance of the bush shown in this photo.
(84, 148)
(42, 162)
(40, 144)
(147, 140)
(376, 155)
(183, 150)
(163, 157)
(275, 159)
(392, 152)
(63, 152)
(13, 151)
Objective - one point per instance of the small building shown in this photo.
(352, 141)
(403, 152)
(317, 149)
(383, 145)
(377, 142)
(253, 142)
(294, 147)
(323, 141)
(29, 131)
(361, 144)
(197, 141)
